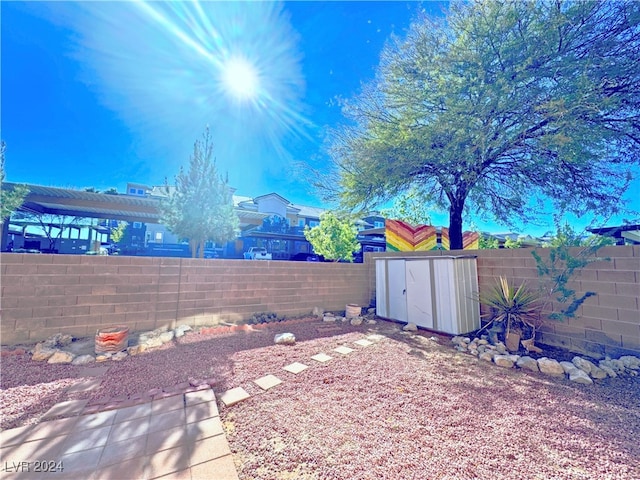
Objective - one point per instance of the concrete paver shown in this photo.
(321, 357)
(375, 337)
(267, 382)
(363, 342)
(343, 350)
(233, 396)
(295, 367)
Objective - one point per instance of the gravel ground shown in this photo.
(402, 408)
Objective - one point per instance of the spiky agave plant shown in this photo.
(513, 306)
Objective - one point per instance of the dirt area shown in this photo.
(404, 407)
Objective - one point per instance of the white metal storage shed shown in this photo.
(435, 292)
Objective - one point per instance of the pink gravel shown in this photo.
(402, 408)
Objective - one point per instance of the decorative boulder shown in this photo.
(550, 367)
(580, 376)
(61, 357)
(528, 363)
(356, 321)
(284, 339)
(410, 327)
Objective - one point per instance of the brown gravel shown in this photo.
(403, 408)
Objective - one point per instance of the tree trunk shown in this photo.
(193, 246)
(455, 225)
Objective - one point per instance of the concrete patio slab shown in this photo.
(343, 350)
(65, 409)
(375, 337)
(321, 357)
(201, 396)
(267, 382)
(295, 367)
(176, 437)
(363, 343)
(233, 396)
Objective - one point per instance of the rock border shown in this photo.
(579, 370)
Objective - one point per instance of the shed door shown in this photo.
(397, 288)
(419, 299)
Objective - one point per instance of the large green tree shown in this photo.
(12, 197)
(200, 206)
(334, 238)
(496, 108)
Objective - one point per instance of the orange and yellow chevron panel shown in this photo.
(470, 240)
(403, 237)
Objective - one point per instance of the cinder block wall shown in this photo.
(46, 294)
(606, 324)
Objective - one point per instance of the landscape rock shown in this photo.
(166, 337)
(42, 353)
(410, 327)
(103, 357)
(134, 350)
(328, 318)
(119, 356)
(609, 371)
(371, 322)
(501, 348)
(61, 357)
(583, 364)
(597, 372)
(486, 356)
(180, 330)
(568, 367)
(371, 311)
(317, 312)
(580, 376)
(550, 366)
(528, 363)
(631, 362)
(434, 339)
(83, 360)
(284, 339)
(356, 321)
(506, 361)
(58, 340)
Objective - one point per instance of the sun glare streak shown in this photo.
(169, 68)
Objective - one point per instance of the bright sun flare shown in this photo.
(240, 79)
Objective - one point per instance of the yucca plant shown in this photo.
(514, 307)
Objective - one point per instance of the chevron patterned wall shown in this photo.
(403, 237)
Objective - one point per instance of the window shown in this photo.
(132, 191)
(140, 191)
(158, 236)
(378, 224)
(301, 223)
(137, 224)
(313, 223)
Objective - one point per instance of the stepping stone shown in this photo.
(343, 350)
(233, 396)
(267, 382)
(375, 337)
(363, 343)
(295, 367)
(66, 409)
(321, 357)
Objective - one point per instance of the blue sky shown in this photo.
(95, 94)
